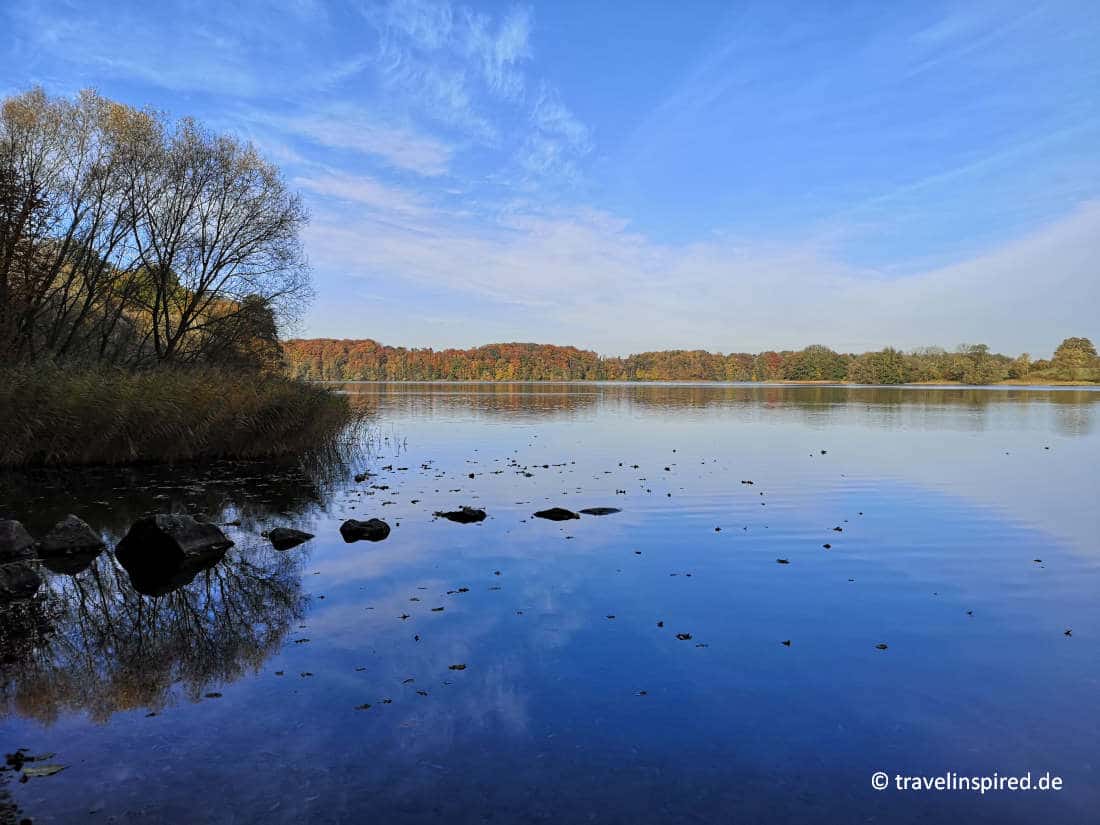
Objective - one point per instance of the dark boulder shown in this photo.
(69, 537)
(19, 577)
(164, 552)
(600, 511)
(464, 515)
(18, 580)
(177, 537)
(556, 514)
(71, 563)
(16, 543)
(371, 530)
(283, 538)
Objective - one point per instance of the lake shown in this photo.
(909, 584)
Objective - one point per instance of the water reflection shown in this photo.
(575, 699)
(92, 643)
(1073, 410)
(112, 498)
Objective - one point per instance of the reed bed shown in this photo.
(52, 416)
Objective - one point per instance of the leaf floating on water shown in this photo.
(786, 643)
(683, 637)
(1067, 632)
(457, 667)
(880, 646)
(827, 546)
(782, 561)
(408, 681)
(437, 610)
(43, 770)
(422, 692)
(660, 624)
(364, 706)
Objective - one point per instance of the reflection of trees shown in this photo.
(112, 498)
(109, 649)
(818, 404)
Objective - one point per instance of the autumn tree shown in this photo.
(132, 239)
(1074, 354)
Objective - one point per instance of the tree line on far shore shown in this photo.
(328, 359)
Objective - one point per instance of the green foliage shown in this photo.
(56, 415)
(815, 363)
(887, 366)
(1074, 360)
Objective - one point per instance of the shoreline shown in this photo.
(1010, 384)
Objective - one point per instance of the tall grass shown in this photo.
(53, 415)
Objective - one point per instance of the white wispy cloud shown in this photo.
(357, 130)
(585, 278)
(364, 191)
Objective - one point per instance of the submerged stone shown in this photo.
(370, 530)
(283, 538)
(556, 514)
(464, 515)
(16, 543)
(70, 536)
(18, 577)
(18, 580)
(165, 552)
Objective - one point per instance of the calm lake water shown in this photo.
(962, 527)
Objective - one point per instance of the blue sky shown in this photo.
(628, 176)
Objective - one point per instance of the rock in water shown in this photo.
(178, 537)
(18, 580)
(372, 530)
(283, 538)
(16, 543)
(464, 515)
(164, 552)
(556, 514)
(600, 511)
(70, 547)
(18, 577)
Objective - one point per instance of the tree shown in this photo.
(1075, 354)
(887, 366)
(132, 239)
(815, 363)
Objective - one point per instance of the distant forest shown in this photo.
(330, 359)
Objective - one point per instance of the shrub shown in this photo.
(52, 415)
